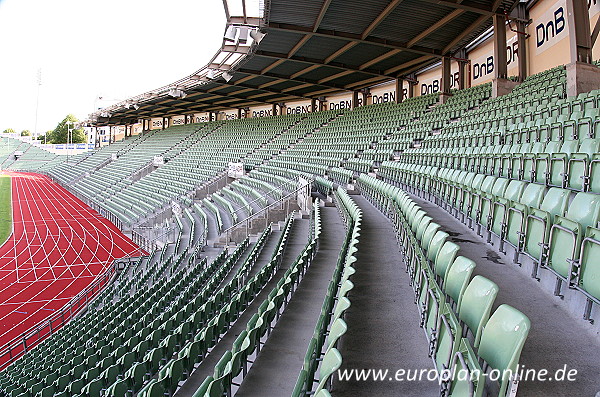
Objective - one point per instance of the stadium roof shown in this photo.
(314, 48)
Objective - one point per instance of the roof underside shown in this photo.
(318, 47)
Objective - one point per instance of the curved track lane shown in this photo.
(58, 247)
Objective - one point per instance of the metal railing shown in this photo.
(283, 204)
(213, 184)
(281, 188)
(37, 333)
(148, 244)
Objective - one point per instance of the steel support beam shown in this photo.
(399, 90)
(582, 75)
(580, 34)
(445, 92)
(500, 65)
(521, 12)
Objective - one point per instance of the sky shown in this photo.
(87, 49)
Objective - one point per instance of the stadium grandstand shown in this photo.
(352, 198)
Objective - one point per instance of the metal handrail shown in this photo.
(264, 210)
(146, 243)
(256, 200)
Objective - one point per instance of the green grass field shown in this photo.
(5, 208)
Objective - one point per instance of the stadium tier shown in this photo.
(352, 198)
(190, 319)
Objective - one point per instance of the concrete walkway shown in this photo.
(383, 321)
(275, 370)
(296, 242)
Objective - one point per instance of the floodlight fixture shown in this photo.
(230, 33)
(257, 36)
(227, 76)
(177, 93)
(243, 37)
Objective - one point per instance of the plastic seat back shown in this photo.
(553, 147)
(340, 308)
(569, 147)
(488, 184)
(331, 362)
(436, 244)
(222, 364)
(503, 339)
(444, 258)
(514, 190)
(538, 147)
(584, 209)
(425, 221)
(428, 234)
(478, 181)
(476, 304)
(589, 146)
(499, 187)
(532, 196)
(457, 278)
(203, 388)
(338, 328)
(555, 201)
(416, 219)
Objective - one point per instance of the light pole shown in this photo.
(69, 137)
(37, 103)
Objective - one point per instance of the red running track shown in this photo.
(58, 247)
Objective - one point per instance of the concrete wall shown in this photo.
(430, 82)
(481, 69)
(548, 44)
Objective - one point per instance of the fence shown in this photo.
(146, 243)
(34, 335)
(274, 212)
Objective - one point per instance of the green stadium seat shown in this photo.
(331, 362)
(566, 234)
(473, 312)
(204, 387)
(457, 279)
(443, 261)
(539, 221)
(579, 163)
(516, 216)
(337, 330)
(118, 389)
(585, 271)
(502, 341)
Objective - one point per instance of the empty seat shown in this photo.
(585, 272)
(502, 341)
(539, 221)
(473, 312)
(516, 216)
(567, 233)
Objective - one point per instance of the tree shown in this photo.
(8, 131)
(61, 133)
(25, 133)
